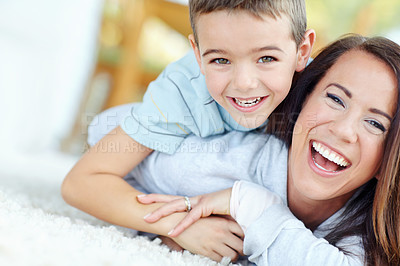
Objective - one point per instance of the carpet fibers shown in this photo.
(37, 228)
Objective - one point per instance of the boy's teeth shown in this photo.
(330, 155)
(248, 103)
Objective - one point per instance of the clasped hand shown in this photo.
(215, 237)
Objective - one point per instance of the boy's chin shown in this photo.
(251, 122)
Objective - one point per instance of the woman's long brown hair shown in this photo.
(375, 213)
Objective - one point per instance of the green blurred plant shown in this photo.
(333, 18)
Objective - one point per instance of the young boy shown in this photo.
(245, 54)
(240, 69)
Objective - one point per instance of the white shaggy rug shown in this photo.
(38, 228)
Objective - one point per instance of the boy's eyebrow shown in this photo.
(265, 48)
(214, 51)
(268, 48)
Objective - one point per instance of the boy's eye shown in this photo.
(335, 99)
(266, 59)
(376, 126)
(221, 61)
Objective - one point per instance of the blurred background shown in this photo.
(62, 62)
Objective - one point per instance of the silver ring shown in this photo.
(187, 203)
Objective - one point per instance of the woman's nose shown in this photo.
(345, 128)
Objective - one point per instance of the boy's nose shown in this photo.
(244, 79)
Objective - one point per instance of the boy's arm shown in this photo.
(175, 105)
(95, 185)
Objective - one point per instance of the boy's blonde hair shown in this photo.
(295, 10)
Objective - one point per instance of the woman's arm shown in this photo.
(277, 237)
(95, 185)
(232, 201)
(273, 235)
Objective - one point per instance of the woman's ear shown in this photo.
(379, 173)
(305, 49)
(196, 51)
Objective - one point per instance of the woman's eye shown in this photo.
(377, 125)
(335, 99)
(266, 59)
(221, 61)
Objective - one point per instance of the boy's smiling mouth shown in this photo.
(247, 104)
(326, 159)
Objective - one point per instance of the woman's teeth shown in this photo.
(247, 103)
(330, 155)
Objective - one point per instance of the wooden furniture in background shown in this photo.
(119, 76)
(128, 75)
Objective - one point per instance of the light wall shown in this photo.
(47, 52)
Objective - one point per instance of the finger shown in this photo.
(226, 251)
(177, 205)
(190, 219)
(235, 228)
(235, 242)
(152, 198)
(214, 256)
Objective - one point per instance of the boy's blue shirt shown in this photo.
(176, 105)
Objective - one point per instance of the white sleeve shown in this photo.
(248, 201)
(274, 236)
(277, 237)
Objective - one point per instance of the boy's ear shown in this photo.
(305, 49)
(196, 51)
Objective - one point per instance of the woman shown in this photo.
(343, 167)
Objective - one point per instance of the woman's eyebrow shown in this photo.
(346, 91)
(379, 112)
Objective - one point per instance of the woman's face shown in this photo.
(339, 135)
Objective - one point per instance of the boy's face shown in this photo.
(248, 62)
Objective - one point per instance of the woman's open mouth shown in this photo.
(248, 104)
(326, 159)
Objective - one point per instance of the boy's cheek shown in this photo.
(215, 83)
